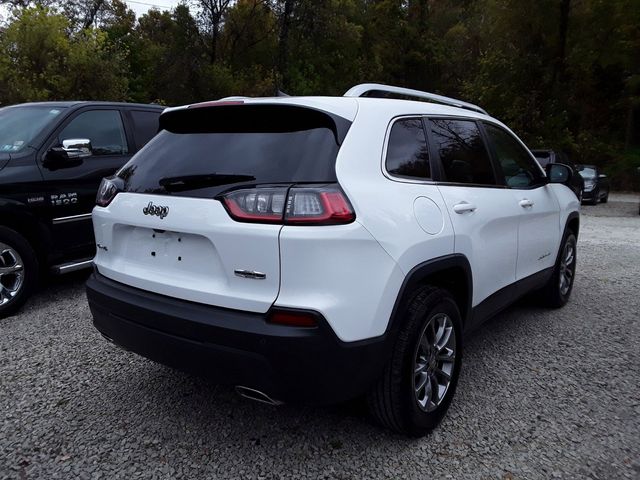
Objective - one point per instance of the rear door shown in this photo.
(483, 212)
(168, 231)
(539, 225)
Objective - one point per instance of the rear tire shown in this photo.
(418, 384)
(558, 289)
(18, 271)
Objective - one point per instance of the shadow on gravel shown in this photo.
(53, 287)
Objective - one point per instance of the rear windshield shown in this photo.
(205, 151)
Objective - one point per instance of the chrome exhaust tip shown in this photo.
(256, 395)
(107, 338)
(112, 342)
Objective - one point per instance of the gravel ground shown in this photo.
(543, 394)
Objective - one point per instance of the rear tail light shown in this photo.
(324, 206)
(265, 205)
(109, 188)
(292, 318)
(321, 205)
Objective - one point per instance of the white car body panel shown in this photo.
(487, 236)
(384, 206)
(211, 247)
(568, 203)
(539, 231)
(343, 273)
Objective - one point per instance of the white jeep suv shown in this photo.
(315, 249)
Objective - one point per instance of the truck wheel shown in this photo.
(18, 271)
(558, 290)
(417, 386)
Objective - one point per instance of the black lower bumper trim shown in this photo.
(291, 364)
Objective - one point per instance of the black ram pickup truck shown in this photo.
(53, 156)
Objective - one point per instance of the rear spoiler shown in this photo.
(233, 116)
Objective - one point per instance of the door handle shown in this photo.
(526, 203)
(464, 207)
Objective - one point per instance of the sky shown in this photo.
(142, 6)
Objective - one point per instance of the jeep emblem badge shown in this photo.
(157, 210)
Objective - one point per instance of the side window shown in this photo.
(104, 129)
(462, 152)
(542, 157)
(407, 153)
(519, 169)
(145, 126)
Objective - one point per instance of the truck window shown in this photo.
(145, 125)
(103, 127)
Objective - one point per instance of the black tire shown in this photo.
(30, 271)
(553, 294)
(393, 401)
(605, 199)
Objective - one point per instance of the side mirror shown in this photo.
(69, 155)
(77, 148)
(559, 173)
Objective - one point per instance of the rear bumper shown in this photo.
(291, 364)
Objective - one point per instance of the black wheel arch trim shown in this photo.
(416, 277)
(572, 216)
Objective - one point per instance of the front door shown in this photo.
(539, 227)
(70, 191)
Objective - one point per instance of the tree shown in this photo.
(212, 15)
(40, 61)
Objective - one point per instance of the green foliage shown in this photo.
(39, 60)
(563, 74)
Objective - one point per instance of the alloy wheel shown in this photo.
(567, 267)
(434, 362)
(11, 273)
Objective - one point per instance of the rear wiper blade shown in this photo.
(192, 182)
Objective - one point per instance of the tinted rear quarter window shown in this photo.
(462, 152)
(407, 153)
(145, 125)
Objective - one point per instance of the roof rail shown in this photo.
(364, 88)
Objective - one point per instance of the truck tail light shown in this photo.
(109, 188)
(308, 205)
